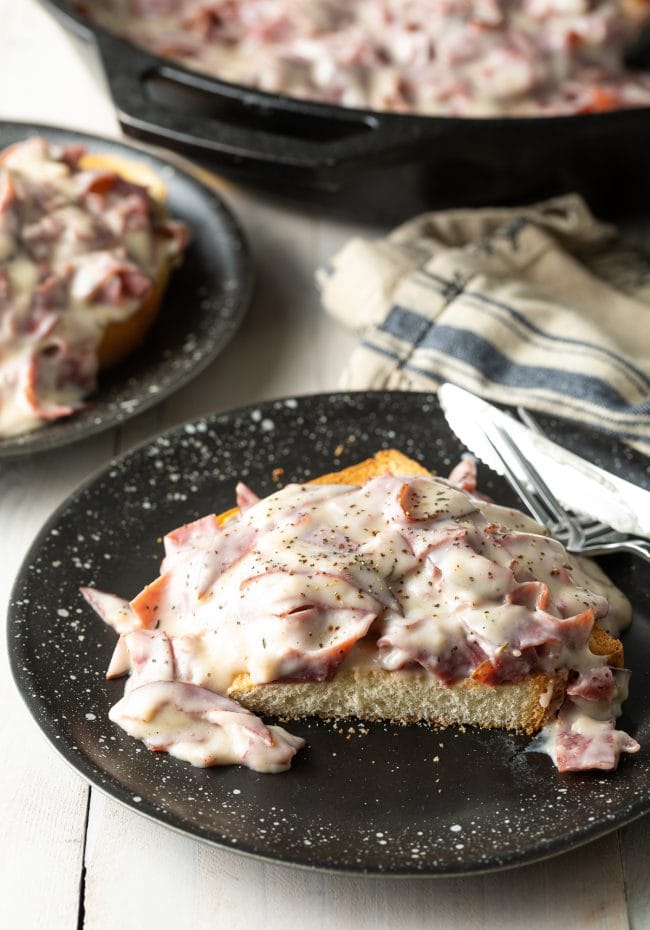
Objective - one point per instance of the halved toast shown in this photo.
(362, 689)
(120, 339)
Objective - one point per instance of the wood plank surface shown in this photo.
(580, 889)
(635, 852)
(42, 801)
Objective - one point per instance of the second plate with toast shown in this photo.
(201, 307)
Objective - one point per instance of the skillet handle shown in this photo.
(289, 139)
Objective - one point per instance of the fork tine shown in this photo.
(592, 530)
(582, 533)
(529, 420)
(534, 504)
(599, 531)
(532, 476)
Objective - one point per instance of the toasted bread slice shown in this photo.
(384, 462)
(407, 697)
(135, 171)
(121, 338)
(370, 693)
(363, 690)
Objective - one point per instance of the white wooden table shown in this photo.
(71, 858)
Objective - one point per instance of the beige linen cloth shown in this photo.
(543, 306)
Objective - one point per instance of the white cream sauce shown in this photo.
(455, 57)
(203, 728)
(584, 736)
(400, 572)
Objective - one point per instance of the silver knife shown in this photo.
(581, 486)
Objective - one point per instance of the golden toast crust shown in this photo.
(373, 693)
(122, 338)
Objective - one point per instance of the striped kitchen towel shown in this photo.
(543, 306)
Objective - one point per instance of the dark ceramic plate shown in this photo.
(202, 308)
(363, 799)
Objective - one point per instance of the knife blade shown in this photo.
(579, 485)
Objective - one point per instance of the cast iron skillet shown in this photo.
(296, 141)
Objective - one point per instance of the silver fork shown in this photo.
(579, 535)
(593, 530)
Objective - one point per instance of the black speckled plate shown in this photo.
(202, 308)
(376, 799)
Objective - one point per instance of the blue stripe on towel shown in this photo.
(617, 428)
(406, 324)
(488, 360)
(453, 288)
(521, 318)
(388, 353)
(483, 356)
